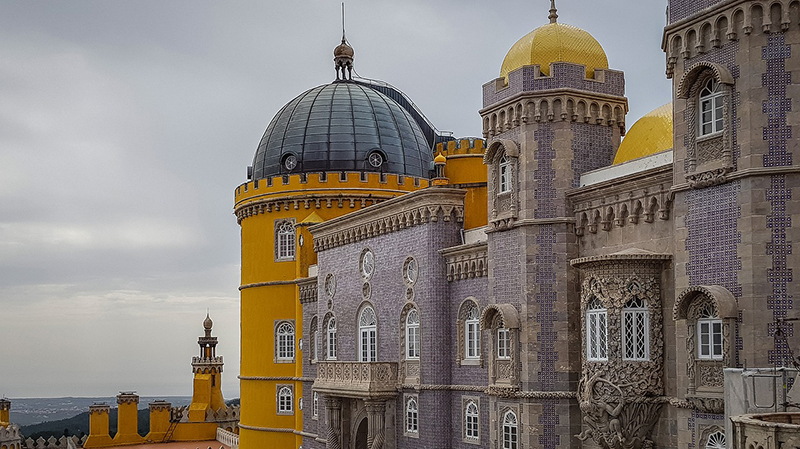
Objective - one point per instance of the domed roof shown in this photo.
(343, 126)
(555, 42)
(207, 323)
(650, 134)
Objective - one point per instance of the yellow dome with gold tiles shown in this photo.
(650, 134)
(555, 42)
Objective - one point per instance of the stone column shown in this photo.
(334, 407)
(376, 410)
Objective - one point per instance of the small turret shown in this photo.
(207, 371)
(5, 411)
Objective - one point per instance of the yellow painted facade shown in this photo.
(98, 427)
(269, 293)
(464, 169)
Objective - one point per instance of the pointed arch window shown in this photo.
(412, 416)
(368, 335)
(471, 427)
(596, 331)
(709, 331)
(711, 118)
(472, 334)
(331, 338)
(412, 335)
(636, 330)
(510, 436)
(285, 341)
(504, 178)
(285, 241)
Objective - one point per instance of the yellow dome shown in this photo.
(555, 42)
(440, 159)
(650, 134)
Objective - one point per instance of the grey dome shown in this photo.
(338, 127)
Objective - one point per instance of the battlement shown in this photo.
(99, 409)
(53, 443)
(463, 146)
(304, 183)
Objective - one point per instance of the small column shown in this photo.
(376, 411)
(334, 407)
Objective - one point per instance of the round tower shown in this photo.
(332, 150)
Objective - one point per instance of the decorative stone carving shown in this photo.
(707, 178)
(711, 376)
(318, 201)
(466, 261)
(308, 290)
(357, 379)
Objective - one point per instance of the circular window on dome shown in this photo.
(367, 264)
(290, 162)
(375, 159)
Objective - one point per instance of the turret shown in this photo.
(5, 410)
(128, 418)
(207, 369)
(98, 427)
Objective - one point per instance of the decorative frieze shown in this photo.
(316, 201)
(357, 379)
(308, 289)
(466, 261)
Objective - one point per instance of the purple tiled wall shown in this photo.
(592, 149)
(681, 9)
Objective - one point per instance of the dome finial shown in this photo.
(553, 12)
(343, 56)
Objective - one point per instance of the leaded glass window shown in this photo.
(596, 331)
(636, 330)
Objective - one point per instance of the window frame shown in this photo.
(712, 94)
(367, 333)
(315, 406)
(412, 333)
(596, 342)
(503, 343)
(504, 176)
(472, 430)
(285, 342)
(411, 421)
(284, 406)
(639, 313)
(509, 433)
(472, 322)
(285, 241)
(330, 335)
(713, 333)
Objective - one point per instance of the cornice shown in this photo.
(269, 203)
(626, 183)
(392, 215)
(744, 173)
(558, 92)
(266, 284)
(704, 15)
(621, 256)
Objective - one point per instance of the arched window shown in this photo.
(596, 331)
(285, 241)
(412, 416)
(315, 406)
(472, 334)
(716, 441)
(503, 343)
(285, 341)
(368, 335)
(471, 427)
(331, 339)
(510, 438)
(635, 330)
(313, 339)
(711, 102)
(504, 181)
(709, 330)
(412, 335)
(285, 400)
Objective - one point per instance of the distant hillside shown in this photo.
(79, 424)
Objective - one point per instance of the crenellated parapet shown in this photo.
(466, 261)
(207, 364)
(461, 147)
(704, 31)
(53, 443)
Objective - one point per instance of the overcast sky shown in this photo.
(126, 126)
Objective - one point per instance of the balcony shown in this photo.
(357, 379)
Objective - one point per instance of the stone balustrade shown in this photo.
(229, 439)
(357, 379)
(766, 430)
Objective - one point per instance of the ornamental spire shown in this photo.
(343, 56)
(553, 12)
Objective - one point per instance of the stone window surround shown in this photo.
(504, 205)
(361, 309)
(705, 376)
(700, 172)
(636, 312)
(366, 276)
(594, 316)
(461, 353)
(315, 407)
(313, 340)
(503, 371)
(277, 358)
(406, 264)
(410, 369)
(326, 340)
(278, 241)
(504, 412)
(466, 400)
(407, 398)
(279, 389)
(705, 436)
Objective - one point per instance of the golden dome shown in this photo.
(650, 134)
(555, 42)
(440, 159)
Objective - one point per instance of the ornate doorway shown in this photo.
(361, 435)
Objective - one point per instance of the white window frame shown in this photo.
(315, 405)
(472, 334)
(331, 338)
(504, 175)
(503, 343)
(412, 415)
(472, 427)
(510, 431)
(285, 236)
(709, 340)
(716, 441)
(285, 400)
(367, 335)
(596, 331)
(636, 331)
(284, 341)
(710, 110)
(412, 335)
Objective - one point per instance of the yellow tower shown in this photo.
(207, 369)
(127, 419)
(98, 427)
(334, 149)
(5, 411)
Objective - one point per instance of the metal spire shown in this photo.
(553, 12)
(343, 38)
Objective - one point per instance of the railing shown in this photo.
(357, 379)
(229, 439)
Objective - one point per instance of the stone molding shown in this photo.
(743, 174)
(412, 209)
(564, 104)
(266, 284)
(705, 27)
(207, 364)
(315, 201)
(266, 429)
(466, 261)
(277, 378)
(643, 197)
(357, 379)
(308, 289)
(127, 398)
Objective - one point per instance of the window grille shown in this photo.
(471, 427)
(636, 330)
(510, 430)
(285, 336)
(472, 334)
(412, 335)
(367, 326)
(596, 331)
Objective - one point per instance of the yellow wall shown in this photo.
(127, 424)
(465, 169)
(98, 430)
(269, 293)
(4, 417)
(159, 423)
